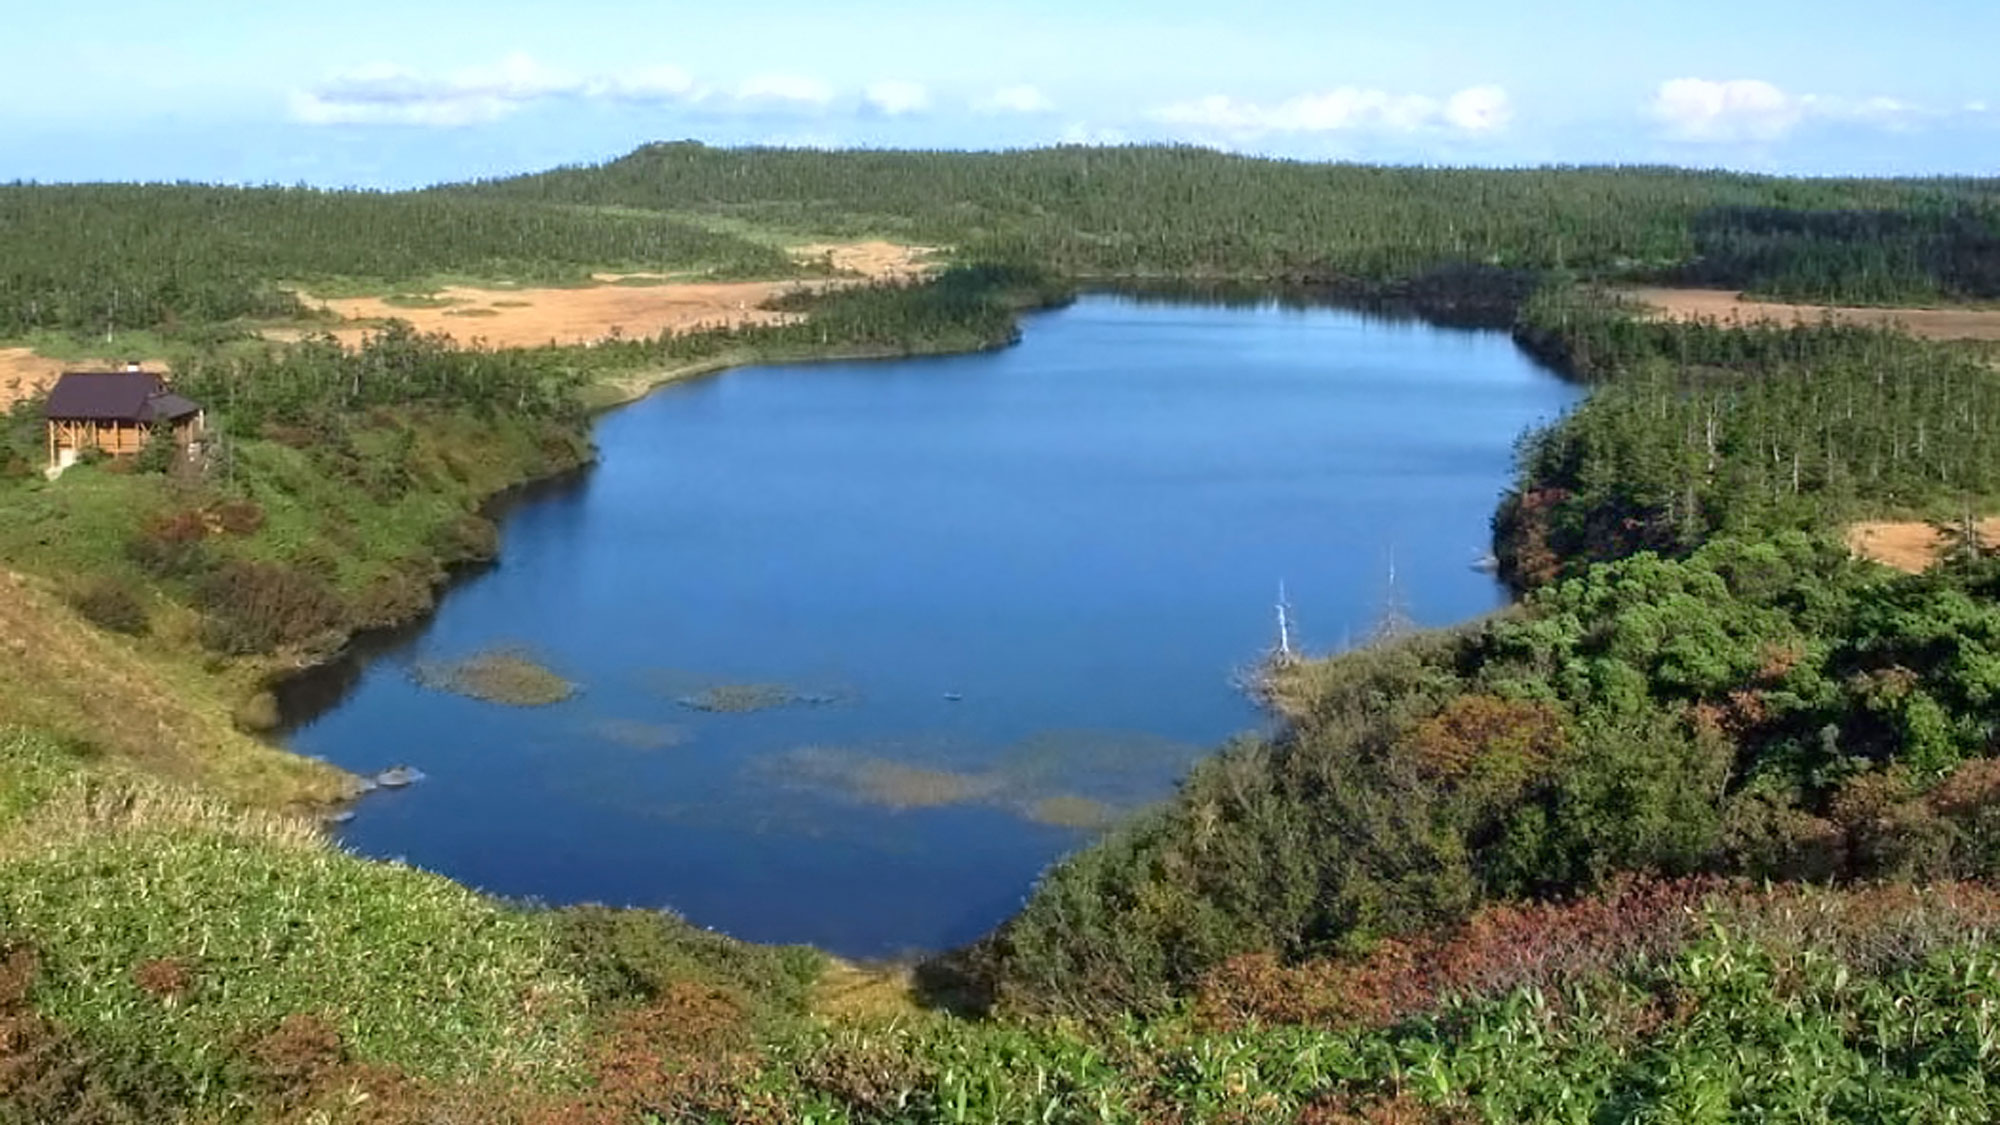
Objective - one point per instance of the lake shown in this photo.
(861, 648)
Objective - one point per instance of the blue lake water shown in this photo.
(1000, 597)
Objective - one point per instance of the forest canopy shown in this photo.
(103, 257)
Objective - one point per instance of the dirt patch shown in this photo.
(526, 318)
(23, 374)
(1731, 306)
(629, 305)
(1909, 545)
(872, 260)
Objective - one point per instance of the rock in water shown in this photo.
(397, 777)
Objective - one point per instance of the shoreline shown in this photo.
(296, 677)
(340, 668)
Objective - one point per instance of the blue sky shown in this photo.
(398, 92)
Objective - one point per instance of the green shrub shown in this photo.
(633, 957)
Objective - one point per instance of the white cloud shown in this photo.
(1883, 113)
(895, 98)
(1015, 99)
(653, 84)
(1743, 109)
(1752, 110)
(1480, 109)
(385, 94)
(784, 89)
(1083, 133)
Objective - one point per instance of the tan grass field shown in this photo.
(513, 317)
(1728, 305)
(1908, 545)
(23, 374)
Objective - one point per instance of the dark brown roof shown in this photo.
(122, 396)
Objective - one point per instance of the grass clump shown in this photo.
(506, 676)
(32, 767)
(635, 957)
(112, 605)
(418, 301)
(261, 923)
(740, 699)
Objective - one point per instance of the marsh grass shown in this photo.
(740, 699)
(702, 693)
(508, 676)
(1067, 810)
(419, 301)
(1085, 793)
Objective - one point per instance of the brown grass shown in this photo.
(1731, 306)
(58, 673)
(850, 992)
(531, 317)
(1910, 546)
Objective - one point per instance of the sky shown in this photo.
(396, 93)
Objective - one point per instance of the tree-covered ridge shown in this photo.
(97, 257)
(100, 257)
(1187, 212)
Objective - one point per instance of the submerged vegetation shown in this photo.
(1704, 829)
(1068, 779)
(510, 676)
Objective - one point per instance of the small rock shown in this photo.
(396, 777)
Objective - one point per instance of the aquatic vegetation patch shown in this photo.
(507, 676)
(698, 693)
(1067, 810)
(740, 699)
(635, 735)
(1068, 779)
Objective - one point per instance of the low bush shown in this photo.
(259, 607)
(109, 603)
(172, 545)
(634, 957)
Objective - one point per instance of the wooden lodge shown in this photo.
(117, 412)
